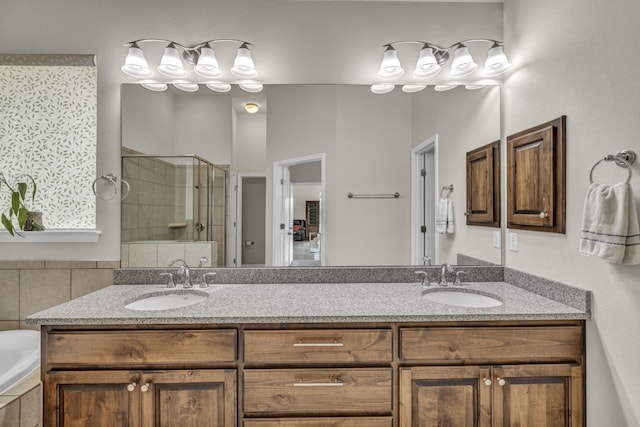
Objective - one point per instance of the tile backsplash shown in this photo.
(27, 287)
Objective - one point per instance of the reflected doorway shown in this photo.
(299, 212)
(424, 172)
(251, 227)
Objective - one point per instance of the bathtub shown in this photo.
(19, 356)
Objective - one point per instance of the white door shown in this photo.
(423, 203)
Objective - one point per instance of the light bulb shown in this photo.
(427, 65)
(390, 67)
(462, 64)
(382, 88)
(170, 64)
(207, 65)
(497, 62)
(243, 65)
(135, 64)
(251, 107)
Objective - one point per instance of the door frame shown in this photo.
(278, 166)
(430, 144)
(238, 214)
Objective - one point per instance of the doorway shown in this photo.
(251, 227)
(298, 203)
(424, 173)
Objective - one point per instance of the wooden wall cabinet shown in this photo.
(483, 186)
(536, 178)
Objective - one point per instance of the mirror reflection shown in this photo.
(212, 181)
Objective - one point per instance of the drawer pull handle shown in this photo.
(486, 381)
(131, 387)
(145, 388)
(318, 344)
(336, 383)
(501, 381)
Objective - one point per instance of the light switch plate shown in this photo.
(513, 241)
(496, 239)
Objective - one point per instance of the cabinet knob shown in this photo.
(501, 381)
(131, 387)
(467, 214)
(486, 381)
(544, 215)
(145, 388)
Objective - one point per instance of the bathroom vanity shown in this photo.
(349, 355)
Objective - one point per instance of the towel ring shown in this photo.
(609, 158)
(112, 180)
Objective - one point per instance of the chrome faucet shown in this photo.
(426, 260)
(446, 268)
(184, 269)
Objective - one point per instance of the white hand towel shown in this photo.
(450, 228)
(610, 229)
(441, 217)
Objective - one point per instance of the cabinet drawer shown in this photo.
(318, 346)
(491, 345)
(131, 349)
(317, 391)
(320, 422)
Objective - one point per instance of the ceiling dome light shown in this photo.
(443, 88)
(243, 65)
(170, 64)
(427, 65)
(390, 67)
(462, 64)
(186, 86)
(207, 65)
(135, 64)
(252, 87)
(156, 87)
(497, 62)
(413, 88)
(382, 88)
(219, 86)
(251, 107)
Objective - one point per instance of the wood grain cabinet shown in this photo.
(483, 186)
(536, 178)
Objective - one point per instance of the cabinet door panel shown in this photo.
(320, 422)
(483, 186)
(445, 396)
(91, 398)
(205, 398)
(543, 395)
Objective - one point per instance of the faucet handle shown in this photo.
(171, 283)
(458, 282)
(204, 283)
(203, 261)
(424, 276)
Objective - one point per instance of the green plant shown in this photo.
(18, 208)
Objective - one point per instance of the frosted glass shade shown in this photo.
(170, 64)
(382, 88)
(413, 88)
(243, 65)
(496, 63)
(219, 86)
(135, 64)
(156, 87)
(390, 67)
(427, 65)
(462, 64)
(252, 87)
(207, 65)
(186, 86)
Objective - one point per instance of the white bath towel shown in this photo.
(444, 216)
(610, 229)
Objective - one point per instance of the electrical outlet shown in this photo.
(496, 239)
(513, 241)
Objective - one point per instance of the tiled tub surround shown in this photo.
(27, 287)
(161, 253)
(21, 406)
(282, 300)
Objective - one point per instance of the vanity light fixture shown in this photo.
(251, 107)
(413, 88)
(431, 59)
(444, 88)
(203, 59)
(382, 88)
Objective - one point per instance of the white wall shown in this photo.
(250, 146)
(302, 193)
(578, 58)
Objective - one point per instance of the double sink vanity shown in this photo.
(348, 347)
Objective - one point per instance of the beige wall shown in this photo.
(577, 58)
(27, 287)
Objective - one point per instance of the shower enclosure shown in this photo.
(174, 200)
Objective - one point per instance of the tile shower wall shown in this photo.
(27, 287)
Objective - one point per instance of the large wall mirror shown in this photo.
(48, 131)
(320, 175)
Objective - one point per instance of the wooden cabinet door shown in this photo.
(538, 395)
(483, 186)
(92, 398)
(189, 398)
(457, 396)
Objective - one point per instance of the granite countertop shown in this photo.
(305, 303)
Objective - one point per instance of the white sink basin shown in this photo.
(461, 298)
(167, 300)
